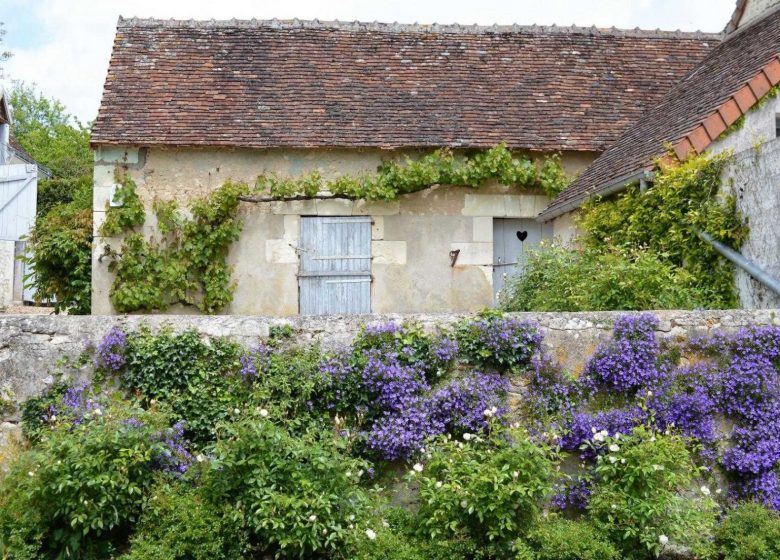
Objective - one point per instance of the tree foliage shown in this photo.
(4, 55)
(60, 243)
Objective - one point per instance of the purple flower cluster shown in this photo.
(629, 361)
(579, 431)
(394, 385)
(737, 377)
(110, 351)
(174, 458)
(459, 406)
(258, 359)
(573, 495)
(499, 343)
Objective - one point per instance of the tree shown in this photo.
(4, 55)
(61, 240)
(50, 134)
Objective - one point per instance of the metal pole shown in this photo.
(748, 266)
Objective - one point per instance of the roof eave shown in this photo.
(612, 187)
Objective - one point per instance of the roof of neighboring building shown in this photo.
(22, 154)
(264, 84)
(728, 82)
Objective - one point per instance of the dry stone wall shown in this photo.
(33, 348)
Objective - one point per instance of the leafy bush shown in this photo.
(187, 372)
(487, 489)
(638, 497)
(82, 488)
(177, 524)
(664, 220)
(60, 253)
(297, 496)
(749, 532)
(559, 279)
(562, 539)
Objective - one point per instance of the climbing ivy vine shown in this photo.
(185, 263)
(664, 220)
(441, 167)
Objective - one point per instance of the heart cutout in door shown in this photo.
(522, 235)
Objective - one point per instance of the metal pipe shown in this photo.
(748, 266)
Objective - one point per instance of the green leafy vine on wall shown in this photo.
(441, 167)
(186, 262)
(663, 221)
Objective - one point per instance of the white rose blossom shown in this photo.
(663, 539)
(417, 467)
(370, 534)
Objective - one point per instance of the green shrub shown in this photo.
(177, 524)
(560, 279)
(639, 499)
(563, 539)
(60, 252)
(749, 532)
(488, 490)
(194, 376)
(82, 488)
(663, 221)
(297, 496)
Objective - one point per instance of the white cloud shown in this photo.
(71, 58)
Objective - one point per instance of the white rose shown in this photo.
(614, 447)
(467, 436)
(236, 411)
(263, 412)
(438, 484)
(663, 539)
(312, 518)
(418, 467)
(370, 534)
(705, 490)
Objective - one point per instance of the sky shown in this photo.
(63, 46)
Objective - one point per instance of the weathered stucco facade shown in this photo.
(754, 176)
(411, 238)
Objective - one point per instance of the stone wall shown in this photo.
(6, 272)
(753, 176)
(32, 347)
(412, 237)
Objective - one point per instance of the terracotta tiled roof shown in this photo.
(309, 84)
(727, 83)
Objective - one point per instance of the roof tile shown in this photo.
(718, 83)
(261, 84)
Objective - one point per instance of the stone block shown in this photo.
(292, 227)
(483, 229)
(473, 254)
(521, 205)
(121, 155)
(334, 207)
(280, 251)
(378, 228)
(375, 208)
(485, 205)
(388, 252)
(300, 207)
(102, 195)
(98, 217)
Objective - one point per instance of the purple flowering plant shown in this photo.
(498, 343)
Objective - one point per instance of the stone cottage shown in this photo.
(738, 80)
(188, 105)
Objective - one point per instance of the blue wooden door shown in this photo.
(335, 269)
(513, 238)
